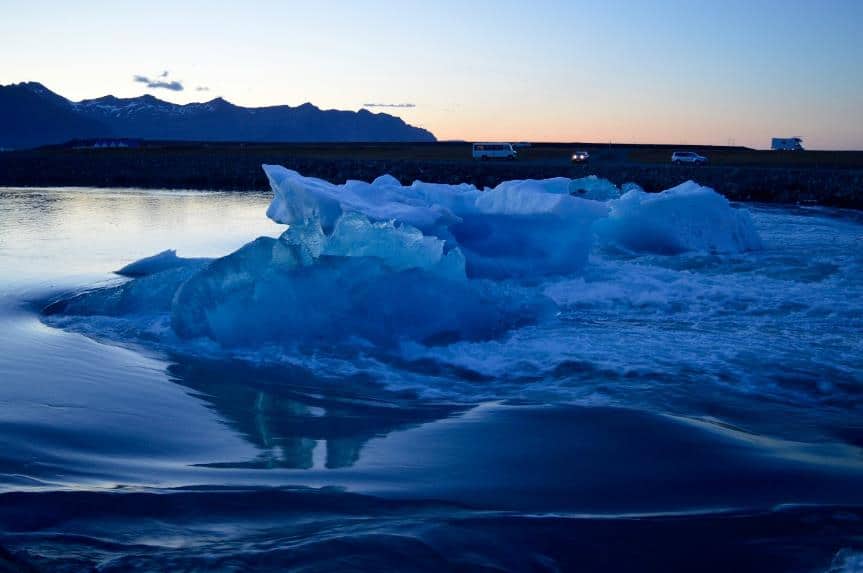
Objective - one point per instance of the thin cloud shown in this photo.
(156, 83)
(402, 105)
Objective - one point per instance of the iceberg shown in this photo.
(266, 294)
(527, 229)
(298, 199)
(156, 263)
(147, 295)
(381, 265)
(688, 217)
(517, 229)
(594, 188)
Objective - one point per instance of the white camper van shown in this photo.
(786, 144)
(494, 151)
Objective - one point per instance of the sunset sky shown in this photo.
(665, 71)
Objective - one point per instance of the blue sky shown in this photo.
(667, 71)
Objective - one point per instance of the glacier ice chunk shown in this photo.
(264, 294)
(298, 199)
(156, 263)
(384, 264)
(149, 294)
(399, 246)
(525, 234)
(519, 228)
(594, 188)
(688, 217)
(555, 186)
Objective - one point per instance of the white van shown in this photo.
(786, 144)
(494, 151)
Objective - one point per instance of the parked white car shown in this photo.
(494, 151)
(688, 157)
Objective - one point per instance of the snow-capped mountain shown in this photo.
(32, 115)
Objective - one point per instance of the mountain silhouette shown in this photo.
(32, 115)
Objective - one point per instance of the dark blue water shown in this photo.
(686, 412)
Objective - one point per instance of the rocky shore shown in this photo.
(239, 168)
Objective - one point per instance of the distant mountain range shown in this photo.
(32, 115)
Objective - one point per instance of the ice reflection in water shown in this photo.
(292, 417)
